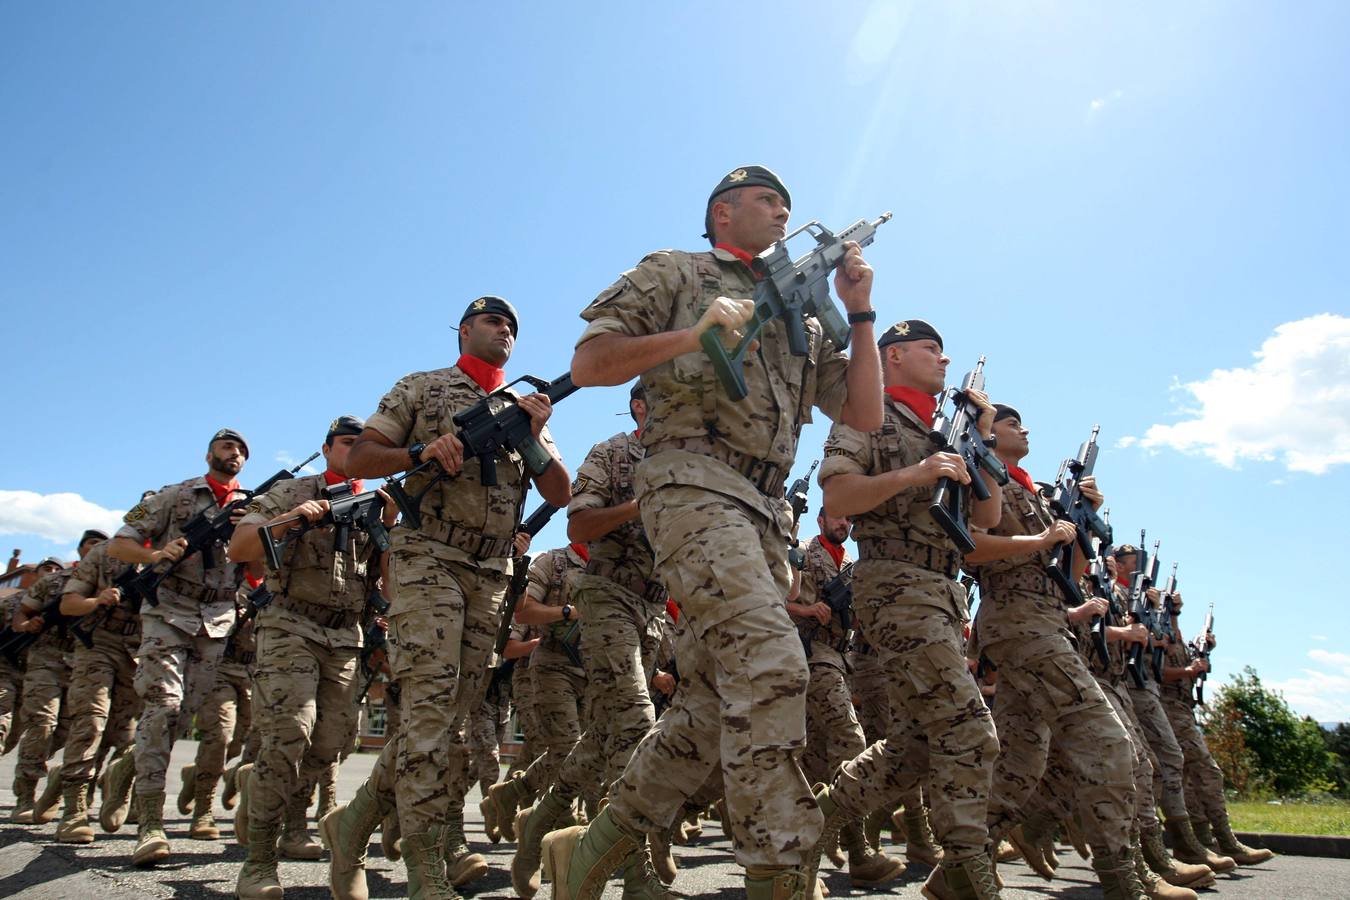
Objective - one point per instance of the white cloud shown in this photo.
(1097, 104)
(60, 518)
(1322, 694)
(1291, 406)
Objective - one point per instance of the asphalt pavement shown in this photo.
(34, 867)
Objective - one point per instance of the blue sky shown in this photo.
(261, 215)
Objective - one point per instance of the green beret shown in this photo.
(344, 425)
(229, 434)
(1125, 550)
(745, 176)
(909, 330)
(1004, 411)
(92, 534)
(489, 304)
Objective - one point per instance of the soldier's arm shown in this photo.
(144, 523)
(590, 515)
(991, 547)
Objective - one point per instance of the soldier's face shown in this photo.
(920, 364)
(226, 456)
(48, 569)
(84, 548)
(336, 453)
(489, 338)
(1012, 437)
(752, 218)
(1125, 564)
(835, 528)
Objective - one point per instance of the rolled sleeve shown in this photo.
(591, 489)
(847, 452)
(396, 413)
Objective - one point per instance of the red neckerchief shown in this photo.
(485, 374)
(742, 255)
(673, 608)
(1020, 475)
(1123, 580)
(836, 551)
(222, 491)
(253, 580)
(922, 404)
(582, 550)
(331, 478)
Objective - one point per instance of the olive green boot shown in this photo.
(641, 881)
(152, 844)
(1118, 877)
(48, 806)
(499, 806)
(866, 867)
(24, 788)
(461, 864)
(426, 870)
(188, 790)
(531, 825)
(579, 860)
(258, 877)
(75, 827)
(1230, 846)
(116, 781)
(346, 833)
(1171, 870)
(774, 883)
(965, 879)
(391, 837)
(1187, 847)
(203, 827)
(920, 845)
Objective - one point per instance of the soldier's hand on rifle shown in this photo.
(942, 465)
(32, 626)
(381, 622)
(538, 407)
(312, 510)
(985, 422)
(853, 280)
(1211, 642)
(728, 312)
(521, 542)
(1094, 606)
(1154, 596)
(1197, 666)
(1090, 493)
(448, 451)
(109, 596)
(664, 682)
(1061, 532)
(388, 515)
(238, 514)
(1136, 634)
(170, 551)
(821, 611)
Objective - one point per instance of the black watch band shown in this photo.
(567, 612)
(415, 453)
(869, 316)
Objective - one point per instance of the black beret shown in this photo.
(344, 425)
(1125, 550)
(638, 392)
(92, 534)
(1004, 411)
(229, 434)
(51, 561)
(745, 176)
(490, 304)
(909, 330)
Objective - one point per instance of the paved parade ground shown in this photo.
(34, 867)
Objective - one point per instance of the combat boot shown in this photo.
(1006, 852)
(500, 803)
(1187, 848)
(1118, 877)
(426, 873)
(204, 826)
(920, 846)
(532, 824)
(152, 844)
(346, 833)
(296, 841)
(188, 791)
(832, 852)
(327, 793)
(24, 788)
(241, 779)
(74, 827)
(391, 838)
(48, 806)
(774, 883)
(963, 879)
(1029, 846)
(579, 860)
(835, 820)
(662, 860)
(872, 826)
(258, 878)
(461, 864)
(1171, 870)
(1230, 846)
(116, 781)
(1075, 837)
(1154, 887)
(640, 880)
(866, 867)
(230, 792)
(1203, 833)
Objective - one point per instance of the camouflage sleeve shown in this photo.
(397, 411)
(831, 380)
(25, 601)
(149, 519)
(85, 579)
(281, 498)
(810, 588)
(591, 489)
(846, 452)
(641, 302)
(40, 592)
(541, 573)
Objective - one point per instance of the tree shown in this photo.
(1338, 742)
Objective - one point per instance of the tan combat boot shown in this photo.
(830, 831)
(1118, 877)
(152, 844)
(327, 792)
(188, 791)
(1171, 870)
(831, 851)
(1154, 887)
(427, 879)
(531, 825)
(866, 867)
(116, 781)
(48, 806)
(204, 826)
(872, 826)
(346, 833)
(241, 778)
(1029, 846)
(500, 804)
(296, 841)
(662, 860)
(75, 827)
(776, 883)
(230, 791)
(461, 864)
(920, 845)
(579, 860)
(258, 877)
(1187, 848)
(1203, 833)
(1230, 846)
(24, 788)
(965, 879)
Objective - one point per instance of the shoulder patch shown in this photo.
(136, 513)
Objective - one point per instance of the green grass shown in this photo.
(1332, 817)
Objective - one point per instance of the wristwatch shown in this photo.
(869, 316)
(415, 453)
(567, 612)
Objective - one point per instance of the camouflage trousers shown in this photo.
(441, 630)
(304, 695)
(1203, 777)
(46, 714)
(1145, 814)
(742, 696)
(1168, 780)
(833, 735)
(487, 728)
(559, 713)
(523, 699)
(933, 698)
(225, 717)
(1045, 687)
(11, 697)
(874, 715)
(103, 702)
(174, 673)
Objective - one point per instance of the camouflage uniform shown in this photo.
(1169, 786)
(487, 729)
(102, 697)
(46, 714)
(183, 637)
(449, 579)
(711, 495)
(11, 676)
(523, 699)
(1044, 685)
(1203, 779)
(913, 611)
(226, 713)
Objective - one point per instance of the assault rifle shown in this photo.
(90, 622)
(790, 290)
(345, 511)
(376, 640)
(837, 594)
(796, 498)
(13, 643)
(1145, 575)
(1100, 579)
(1200, 650)
(204, 532)
(1066, 502)
(1162, 624)
(957, 433)
(258, 599)
(661, 701)
(483, 433)
(520, 575)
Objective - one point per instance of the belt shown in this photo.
(935, 559)
(1035, 581)
(865, 649)
(768, 478)
(244, 659)
(323, 616)
(193, 590)
(653, 592)
(474, 543)
(122, 626)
